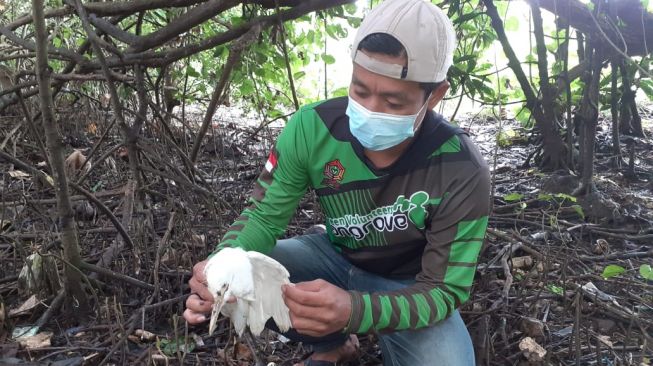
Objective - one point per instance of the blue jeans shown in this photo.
(310, 257)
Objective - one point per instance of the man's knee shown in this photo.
(447, 343)
(300, 257)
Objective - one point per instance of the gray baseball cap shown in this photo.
(422, 28)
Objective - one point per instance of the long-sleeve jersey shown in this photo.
(423, 217)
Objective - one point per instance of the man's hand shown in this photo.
(200, 301)
(317, 308)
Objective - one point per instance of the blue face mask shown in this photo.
(379, 131)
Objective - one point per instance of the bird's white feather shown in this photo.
(255, 280)
(268, 275)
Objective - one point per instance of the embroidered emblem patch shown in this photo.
(333, 174)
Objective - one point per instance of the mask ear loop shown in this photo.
(421, 114)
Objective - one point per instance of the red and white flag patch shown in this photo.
(271, 163)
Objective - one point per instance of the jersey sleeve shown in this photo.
(454, 236)
(276, 193)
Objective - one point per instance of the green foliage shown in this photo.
(552, 197)
(559, 199)
(170, 347)
(508, 136)
(555, 289)
(647, 87)
(612, 270)
(646, 272)
(474, 34)
(512, 197)
(524, 117)
(579, 211)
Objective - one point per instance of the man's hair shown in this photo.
(386, 44)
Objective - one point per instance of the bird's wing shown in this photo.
(268, 276)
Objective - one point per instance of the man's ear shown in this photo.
(438, 94)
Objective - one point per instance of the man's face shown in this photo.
(382, 94)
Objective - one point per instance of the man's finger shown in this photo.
(200, 289)
(309, 326)
(193, 317)
(198, 305)
(317, 314)
(313, 286)
(307, 298)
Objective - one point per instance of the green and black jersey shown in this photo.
(423, 217)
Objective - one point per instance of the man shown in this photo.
(405, 195)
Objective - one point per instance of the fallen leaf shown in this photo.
(159, 359)
(198, 241)
(92, 128)
(243, 352)
(18, 174)
(522, 262)
(532, 350)
(601, 247)
(144, 335)
(26, 306)
(39, 340)
(74, 163)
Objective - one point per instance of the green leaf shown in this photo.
(328, 59)
(544, 197)
(647, 87)
(247, 87)
(507, 137)
(350, 8)
(190, 71)
(220, 51)
(565, 196)
(512, 197)
(555, 289)
(612, 270)
(579, 211)
(646, 271)
(171, 346)
(524, 117)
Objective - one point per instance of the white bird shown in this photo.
(255, 280)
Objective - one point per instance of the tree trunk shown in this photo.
(588, 115)
(554, 149)
(614, 109)
(630, 122)
(73, 283)
(234, 57)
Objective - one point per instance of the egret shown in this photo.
(255, 281)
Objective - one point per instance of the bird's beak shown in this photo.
(215, 312)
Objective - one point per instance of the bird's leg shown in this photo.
(251, 342)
